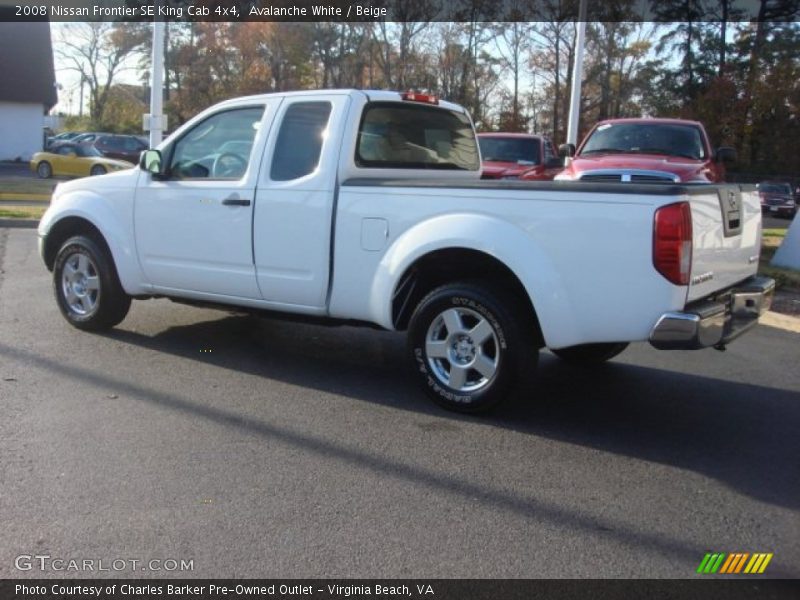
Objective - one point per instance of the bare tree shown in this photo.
(395, 40)
(513, 42)
(342, 52)
(550, 57)
(98, 51)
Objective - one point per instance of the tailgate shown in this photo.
(726, 232)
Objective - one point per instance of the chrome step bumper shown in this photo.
(717, 321)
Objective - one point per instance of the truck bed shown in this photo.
(578, 241)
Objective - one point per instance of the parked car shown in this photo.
(62, 137)
(777, 198)
(122, 147)
(518, 156)
(76, 160)
(366, 208)
(646, 150)
(86, 137)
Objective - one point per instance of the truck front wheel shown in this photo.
(86, 285)
(470, 346)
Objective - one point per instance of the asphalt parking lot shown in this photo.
(271, 449)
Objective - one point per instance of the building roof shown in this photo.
(26, 64)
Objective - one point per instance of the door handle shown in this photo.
(235, 201)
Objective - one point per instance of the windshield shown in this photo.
(646, 138)
(775, 188)
(516, 150)
(87, 150)
(396, 135)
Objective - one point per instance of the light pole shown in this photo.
(155, 121)
(577, 76)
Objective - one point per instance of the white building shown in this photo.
(27, 88)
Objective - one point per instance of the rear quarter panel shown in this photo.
(584, 257)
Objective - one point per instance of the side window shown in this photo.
(207, 150)
(66, 150)
(299, 144)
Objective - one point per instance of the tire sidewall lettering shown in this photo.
(485, 312)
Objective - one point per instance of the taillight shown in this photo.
(672, 242)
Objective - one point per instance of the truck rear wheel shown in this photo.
(87, 289)
(470, 346)
(590, 354)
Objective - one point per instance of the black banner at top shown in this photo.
(399, 10)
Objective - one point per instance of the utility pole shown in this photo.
(577, 76)
(155, 121)
(80, 105)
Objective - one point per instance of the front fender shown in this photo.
(112, 218)
(500, 239)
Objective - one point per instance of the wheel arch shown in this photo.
(84, 216)
(66, 228)
(504, 251)
(452, 264)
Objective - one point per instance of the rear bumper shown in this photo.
(716, 321)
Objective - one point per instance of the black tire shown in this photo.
(86, 285)
(506, 355)
(590, 354)
(44, 170)
(98, 170)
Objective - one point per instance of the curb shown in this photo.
(19, 223)
(24, 197)
(25, 203)
(780, 321)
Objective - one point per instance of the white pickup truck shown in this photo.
(367, 207)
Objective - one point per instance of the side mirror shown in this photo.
(150, 161)
(554, 163)
(725, 155)
(566, 150)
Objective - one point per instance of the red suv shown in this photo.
(777, 198)
(646, 150)
(518, 156)
(121, 147)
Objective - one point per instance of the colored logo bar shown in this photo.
(734, 563)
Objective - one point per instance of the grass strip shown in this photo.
(22, 212)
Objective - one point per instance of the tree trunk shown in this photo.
(723, 34)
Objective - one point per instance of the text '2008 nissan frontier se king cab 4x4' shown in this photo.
(367, 207)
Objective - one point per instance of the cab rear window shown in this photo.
(395, 135)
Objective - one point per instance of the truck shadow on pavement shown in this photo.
(744, 435)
